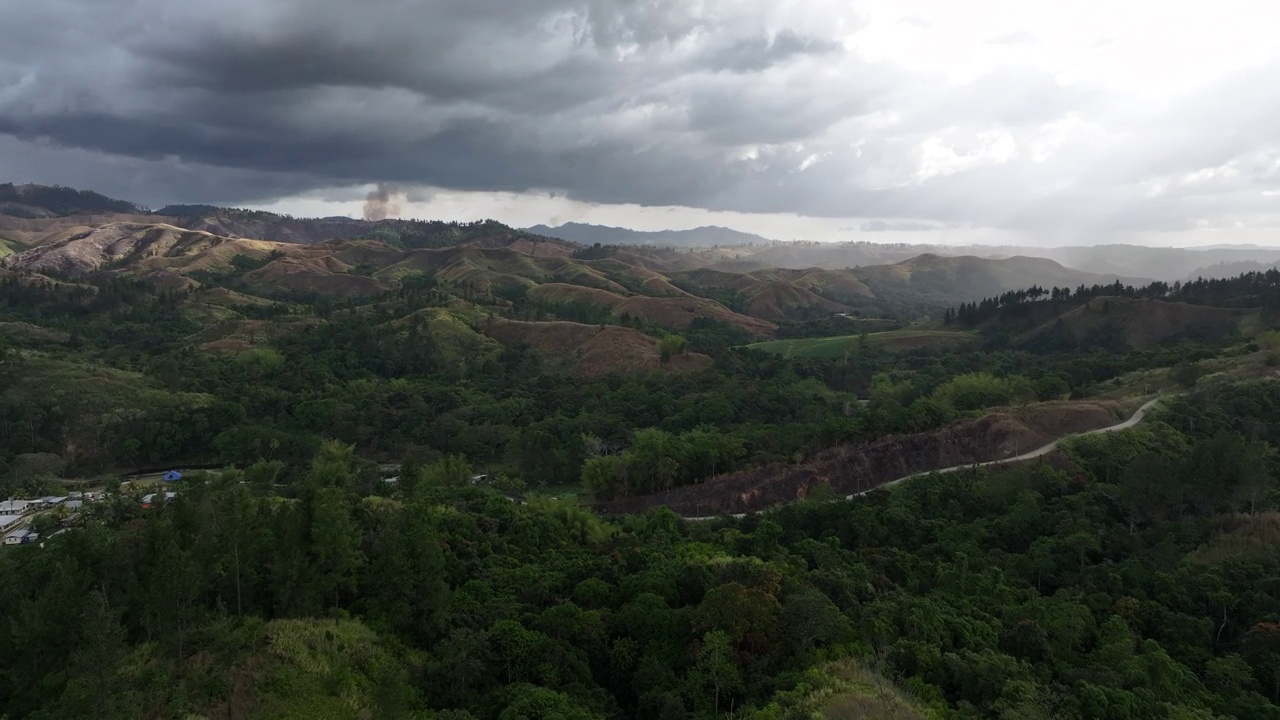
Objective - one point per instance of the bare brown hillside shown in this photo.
(30, 232)
(849, 469)
(680, 313)
(311, 276)
(139, 248)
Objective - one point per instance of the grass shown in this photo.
(6, 247)
(558, 492)
(839, 346)
(84, 389)
(847, 689)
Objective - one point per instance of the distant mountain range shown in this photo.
(33, 215)
(706, 236)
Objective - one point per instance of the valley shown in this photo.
(356, 404)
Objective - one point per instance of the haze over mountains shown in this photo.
(1123, 260)
(706, 236)
(72, 233)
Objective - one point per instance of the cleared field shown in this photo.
(890, 340)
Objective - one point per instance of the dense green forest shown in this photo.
(1134, 577)
(379, 376)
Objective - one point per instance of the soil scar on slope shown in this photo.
(1007, 435)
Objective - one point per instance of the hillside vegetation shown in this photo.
(447, 471)
(41, 201)
(1079, 589)
(845, 345)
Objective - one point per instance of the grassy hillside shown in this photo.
(454, 343)
(311, 277)
(287, 669)
(669, 312)
(591, 349)
(847, 690)
(83, 411)
(828, 348)
(778, 295)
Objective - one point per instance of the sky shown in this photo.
(988, 121)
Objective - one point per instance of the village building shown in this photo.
(150, 499)
(16, 507)
(21, 536)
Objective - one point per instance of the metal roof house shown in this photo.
(150, 498)
(21, 536)
(15, 507)
(8, 521)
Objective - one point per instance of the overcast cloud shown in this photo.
(1089, 121)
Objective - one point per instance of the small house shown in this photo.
(73, 505)
(52, 500)
(15, 507)
(151, 499)
(21, 536)
(8, 521)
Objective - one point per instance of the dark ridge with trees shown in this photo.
(57, 200)
(1249, 290)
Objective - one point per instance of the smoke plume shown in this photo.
(382, 203)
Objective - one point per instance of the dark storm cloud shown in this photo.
(609, 101)
(722, 104)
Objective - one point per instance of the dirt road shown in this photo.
(1044, 450)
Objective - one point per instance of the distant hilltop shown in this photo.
(706, 236)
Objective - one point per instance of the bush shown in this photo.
(982, 390)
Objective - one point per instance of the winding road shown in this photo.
(1137, 417)
(1043, 450)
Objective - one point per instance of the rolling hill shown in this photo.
(827, 348)
(677, 312)
(967, 277)
(590, 349)
(135, 248)
(706, 236)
